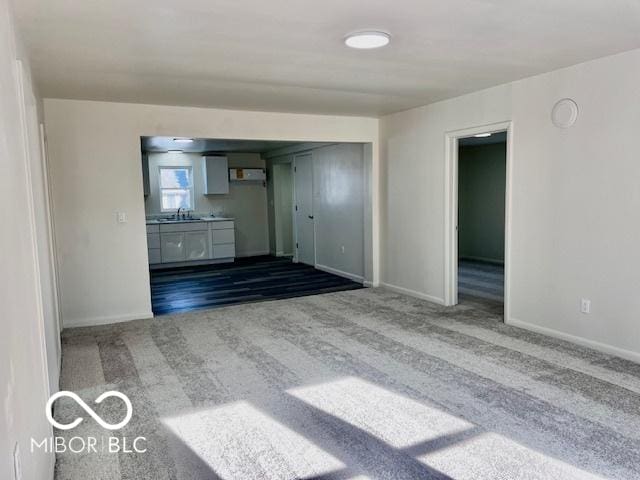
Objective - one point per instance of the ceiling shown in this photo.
(202, 145)
(289, 56)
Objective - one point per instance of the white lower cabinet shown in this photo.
(172, 247)
(154, 256)
(196, 245)
(191, 242)
(227, 250)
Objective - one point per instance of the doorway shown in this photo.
(305, 224)
(478, 216)
(481, 201)
(283, 209)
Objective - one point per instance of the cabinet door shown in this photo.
(224, 251)
(196, 245)
(172, 247)
(223, 236)
(154, 256)
(216, 175)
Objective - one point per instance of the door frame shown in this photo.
(451, 210)
(291, 213)
(41, 329)
(295, 204)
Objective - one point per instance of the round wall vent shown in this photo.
(564, 113)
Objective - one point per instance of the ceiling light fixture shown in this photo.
(183, 140)
(482, 135)
(367, 39)
(174, 151)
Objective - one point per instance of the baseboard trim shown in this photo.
(370, 284)
(585, 342)
(340, 273)
(412, 293)
(52, 462)
(90, 322)
(253, 254)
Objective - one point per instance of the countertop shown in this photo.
(195, 220)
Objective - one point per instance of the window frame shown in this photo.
(189, 170)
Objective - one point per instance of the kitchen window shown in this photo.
(176, 188)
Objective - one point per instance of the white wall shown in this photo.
(94, 150)
(246, 202)
(481, 200)
(575, 198)
(24, 384)
(340, 206)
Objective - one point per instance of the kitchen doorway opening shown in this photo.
(237, 221)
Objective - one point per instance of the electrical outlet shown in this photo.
(17, 465)
(122, 217)
(342, 249)
(585, 305)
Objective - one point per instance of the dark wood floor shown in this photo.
(250, 279)
(481, 280)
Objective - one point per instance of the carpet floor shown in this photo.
(350, 385)
(250, 279)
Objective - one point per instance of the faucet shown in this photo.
(178, 213)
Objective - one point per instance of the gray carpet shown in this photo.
(351, 385)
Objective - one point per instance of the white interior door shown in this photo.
(38, 213)
(305, 226)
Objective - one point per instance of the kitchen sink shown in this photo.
(179, 220)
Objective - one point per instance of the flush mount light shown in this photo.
(174, 151)
(482, 135)
(367, 39)
(183, 140)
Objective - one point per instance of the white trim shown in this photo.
(340, 273)
(53, 256)
(90, 322)
(22, 105)
(451, 210)
(585, 342)
(413, 293)
(369, 284)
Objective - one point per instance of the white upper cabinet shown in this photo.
(216, 175)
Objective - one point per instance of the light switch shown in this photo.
(122, 217)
